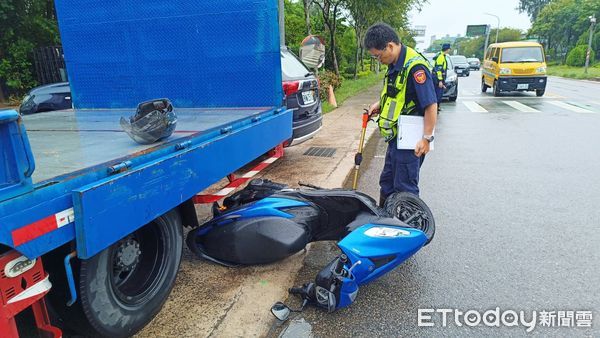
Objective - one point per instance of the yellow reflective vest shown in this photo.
(393, 101)
(440, 66)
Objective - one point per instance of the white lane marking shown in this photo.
(474, 107)
(569, 107)
(521, 107)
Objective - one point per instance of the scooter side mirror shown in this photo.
(280, 311)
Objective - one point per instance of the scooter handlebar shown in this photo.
(296, 291)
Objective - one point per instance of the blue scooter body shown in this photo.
(379, 249)
(258, 229)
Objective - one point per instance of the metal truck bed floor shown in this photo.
(70, 140)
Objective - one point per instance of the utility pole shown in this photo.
(487, 39)
(589, 49)
(497, 29)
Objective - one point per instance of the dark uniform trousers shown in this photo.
(439, 92)
(401, 171)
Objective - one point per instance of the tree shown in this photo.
(306, 4)
(331, 10)
(363, 13)
(561, 23)
(26, 24)
(359, 11)
(294, 25)
(532, 7)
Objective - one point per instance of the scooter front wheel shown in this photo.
(412, 210)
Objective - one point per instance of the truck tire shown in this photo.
(124, 286)
(412, 210)
(540, 92)
(484, 87)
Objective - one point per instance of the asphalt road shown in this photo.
(514, 186)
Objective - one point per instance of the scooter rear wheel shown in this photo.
(411, 210)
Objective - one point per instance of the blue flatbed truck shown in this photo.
(91, 222)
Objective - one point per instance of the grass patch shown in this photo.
(350, 88)
(575, 72)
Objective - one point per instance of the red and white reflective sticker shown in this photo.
(233, 185)
(42, 227)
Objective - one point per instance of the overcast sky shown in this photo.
(452, 17)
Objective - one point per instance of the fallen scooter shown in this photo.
(266, 222)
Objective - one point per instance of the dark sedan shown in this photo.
(49, 97)
(461, 66)
(301, 90)
(474, 63)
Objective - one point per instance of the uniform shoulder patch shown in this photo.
(420, 76)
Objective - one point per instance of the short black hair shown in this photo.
(379, 35)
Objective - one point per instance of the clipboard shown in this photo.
(410, 131)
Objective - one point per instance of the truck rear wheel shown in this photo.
(123, 287)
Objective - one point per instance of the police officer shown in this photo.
(440, 68)
(409, 90)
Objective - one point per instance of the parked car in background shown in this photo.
(301, 90)
(474, 63)
(451, 83)
(461, 66)
(55, 96)
(300, 87)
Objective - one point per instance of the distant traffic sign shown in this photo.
(418, 30)
(476, 30)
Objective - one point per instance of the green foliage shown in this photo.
(295, 28)
(352, 19)
(25, 24)
(561, 24)
(575, 72)
(352, 87)
(326, 79)
(576, 56)
(584, 40)
(16, 67)
(532, 7)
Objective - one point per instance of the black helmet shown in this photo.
(153, 121)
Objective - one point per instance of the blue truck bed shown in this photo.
(72, 140)
(110, 186)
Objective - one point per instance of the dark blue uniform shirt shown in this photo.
(423, 92)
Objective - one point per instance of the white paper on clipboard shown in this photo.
(410, 131)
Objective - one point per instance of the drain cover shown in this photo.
(320, 152)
